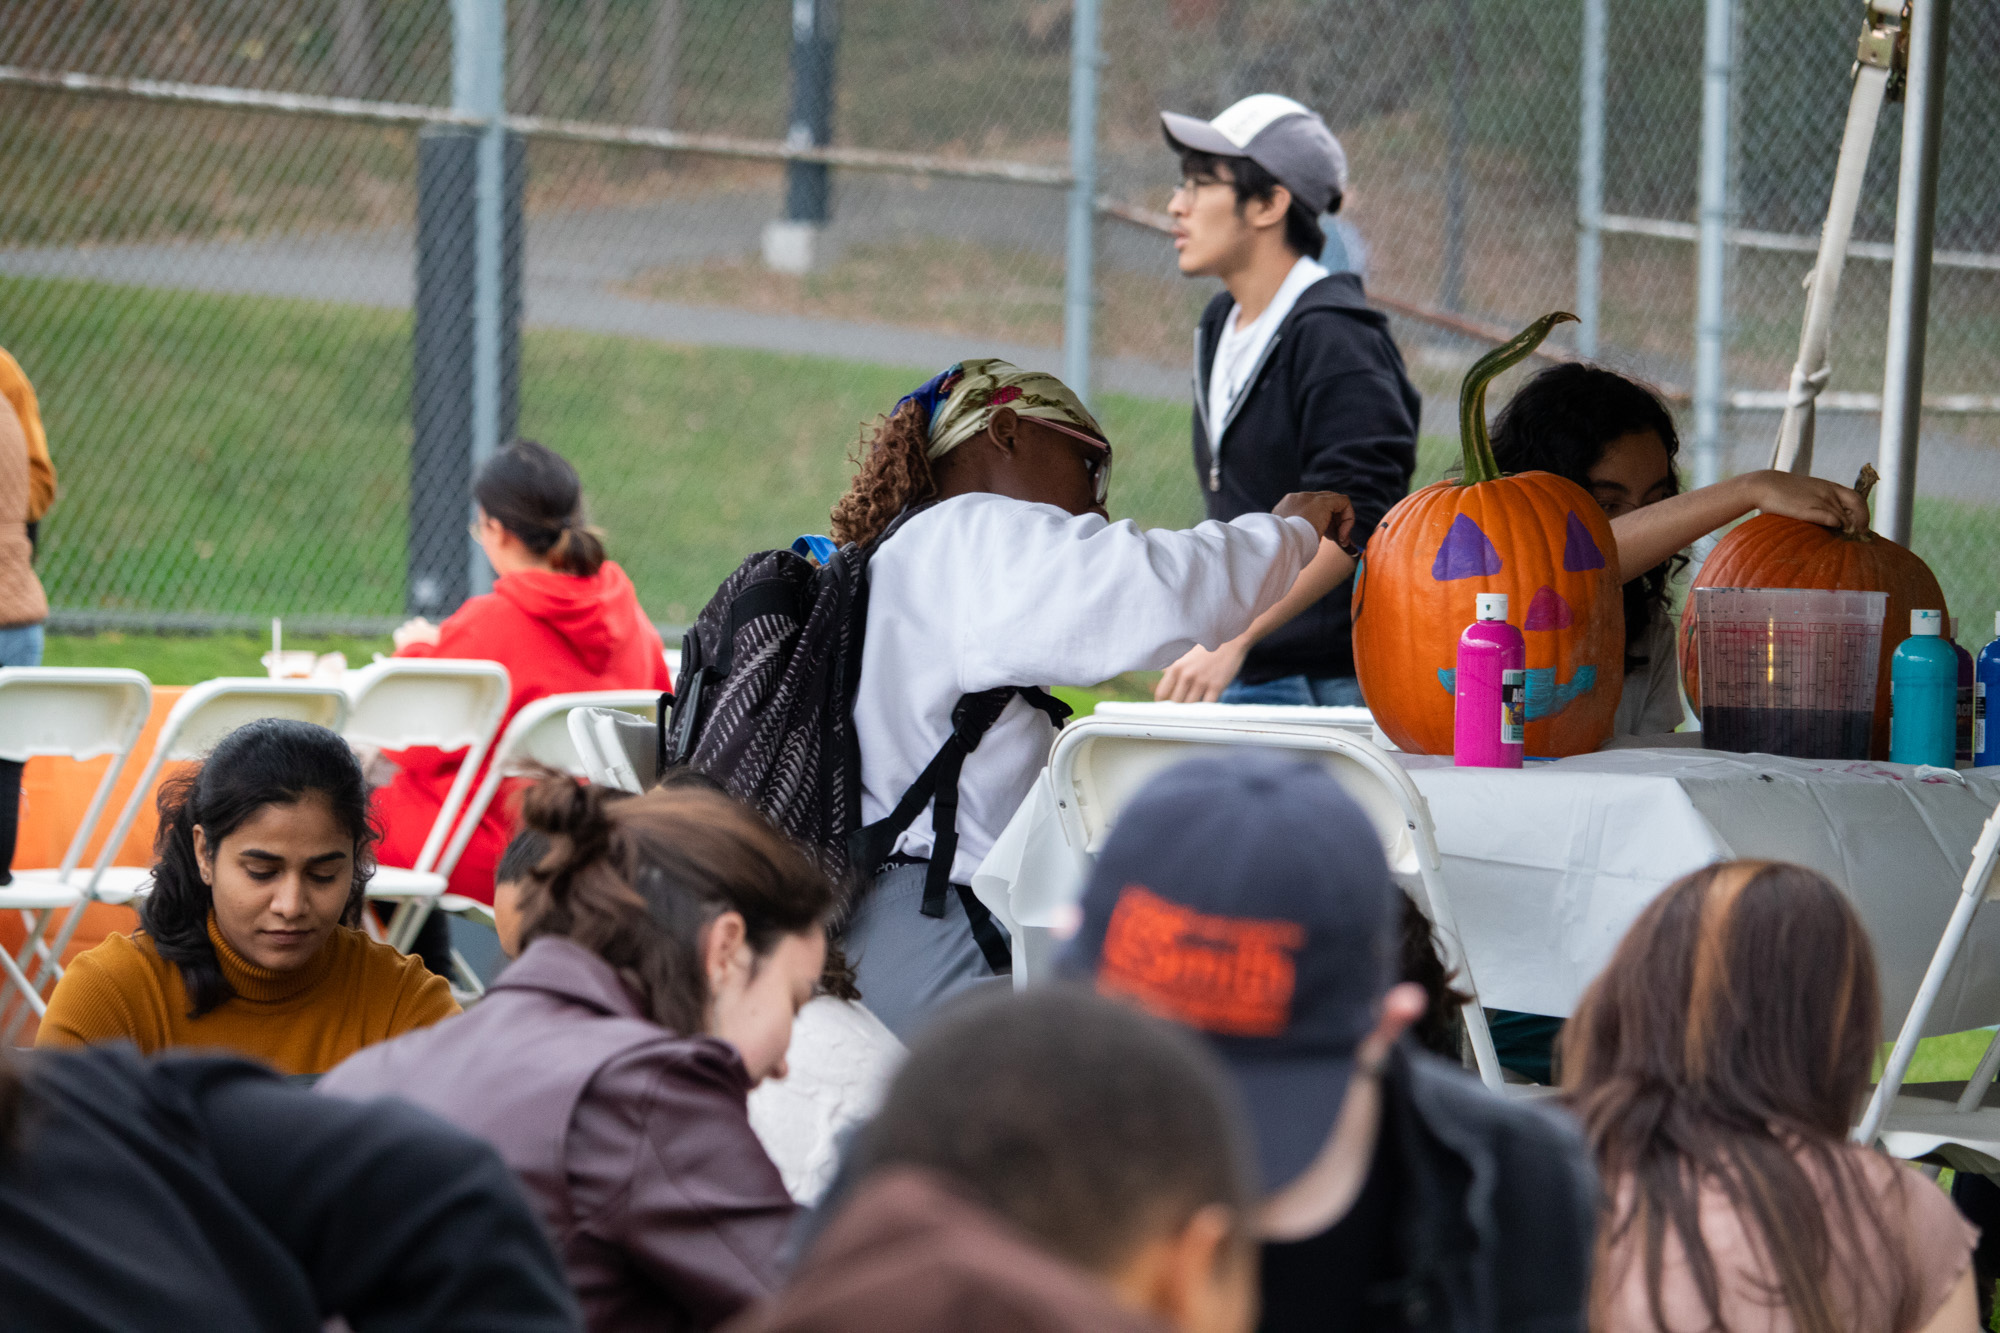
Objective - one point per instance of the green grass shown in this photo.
(248, 456)
(188, 659)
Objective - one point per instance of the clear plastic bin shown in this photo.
(1789, 671)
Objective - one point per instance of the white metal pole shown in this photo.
(1711, 241)
(1590, 177)
(478, 84)
(1079, 266)
(1910, 271)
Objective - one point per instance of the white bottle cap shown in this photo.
(1490, 606)
(1926, 622)
(1996, 622)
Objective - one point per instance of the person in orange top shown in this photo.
(561, 618)
(247, 941)
(27, 488)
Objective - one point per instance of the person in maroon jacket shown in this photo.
(668, 941)
(560, 618)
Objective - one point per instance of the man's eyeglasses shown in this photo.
(1191, 185)
(1096, 458)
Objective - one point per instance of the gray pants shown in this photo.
(910, 966)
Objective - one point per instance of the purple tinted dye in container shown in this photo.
(1491, 689)
(1965, 680)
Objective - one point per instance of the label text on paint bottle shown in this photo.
(1978, 717)
(1513, 707)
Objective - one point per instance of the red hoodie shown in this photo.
(555, 634)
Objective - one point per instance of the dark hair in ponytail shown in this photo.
(895, 473)
(534, 493)
(637, 880)
(275, 761)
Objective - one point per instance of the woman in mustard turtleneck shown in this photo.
(247, 941)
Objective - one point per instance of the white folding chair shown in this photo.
(446, 703)
(201, 717)
(1100, 762)
(1965, 1134)
(618, 749)
(76, 713)
(537, 738)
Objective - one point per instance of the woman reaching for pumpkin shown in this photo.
(1615, 438)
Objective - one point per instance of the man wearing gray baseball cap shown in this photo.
(1297, 384)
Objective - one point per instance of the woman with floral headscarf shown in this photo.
(1006, 571)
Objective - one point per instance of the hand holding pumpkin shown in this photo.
(1330, 513)
(1813, 499)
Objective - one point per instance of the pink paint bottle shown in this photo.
(1491, 689)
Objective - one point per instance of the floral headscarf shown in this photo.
(960, 401)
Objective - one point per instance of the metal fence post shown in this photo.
(1079, 260)
(1910, 274)
(1458, 133)
(1712, 257)
(1590, 177)
(478, 85)
(791, 242)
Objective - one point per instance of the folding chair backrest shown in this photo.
(77, 713)
(538, 738)
(73, 712)
(446, 703)
(1098, 765)
(441, 702)
(618, 749)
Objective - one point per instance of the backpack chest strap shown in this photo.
(937, 786)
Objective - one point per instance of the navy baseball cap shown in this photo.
(1246, 896)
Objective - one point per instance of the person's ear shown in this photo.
(1004, 429)
(722, 949)
(1401, 1008)
(1197, 1280)
(1270, 211)
(204, 856)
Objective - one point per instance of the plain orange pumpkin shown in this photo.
(1771, 551)
(1537, 537)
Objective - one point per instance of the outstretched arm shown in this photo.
(1202, 674)
(1653, 533)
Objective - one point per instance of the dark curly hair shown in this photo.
(274, 761)
(1562, 421)
(894, 472)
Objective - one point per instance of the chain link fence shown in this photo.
(215, 302)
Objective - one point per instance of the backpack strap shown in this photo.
(937, 786)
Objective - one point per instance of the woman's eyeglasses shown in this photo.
(1096, 459)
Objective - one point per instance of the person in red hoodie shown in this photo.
(560, 618)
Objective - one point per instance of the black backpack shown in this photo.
(766, 690)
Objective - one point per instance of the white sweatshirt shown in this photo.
(981, 590)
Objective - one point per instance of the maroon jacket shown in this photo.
(633, 1142)
(907, 1255)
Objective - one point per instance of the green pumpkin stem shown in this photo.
(1480, 465)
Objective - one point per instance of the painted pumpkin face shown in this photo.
(1538, 538)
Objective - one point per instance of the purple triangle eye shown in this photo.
(1580, 551)
(1466, 553)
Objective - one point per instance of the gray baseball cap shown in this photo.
(1285, 138)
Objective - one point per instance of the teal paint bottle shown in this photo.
(1923, 695)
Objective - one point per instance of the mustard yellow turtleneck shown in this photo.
(354, 992)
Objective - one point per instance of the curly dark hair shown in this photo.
(1562, 421)
(893, 473)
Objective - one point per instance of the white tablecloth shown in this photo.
(1548, 865)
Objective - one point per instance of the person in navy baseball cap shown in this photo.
(1246, 896)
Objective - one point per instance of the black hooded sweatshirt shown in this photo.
(1328, 408)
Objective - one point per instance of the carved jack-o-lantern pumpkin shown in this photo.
(1537, 537)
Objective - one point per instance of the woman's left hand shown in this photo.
(1201, 675)
(1813, 499)
(414, 630)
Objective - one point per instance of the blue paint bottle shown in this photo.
(1923, 695)
(1985, 689)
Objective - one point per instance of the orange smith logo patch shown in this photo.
(1223, 974)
